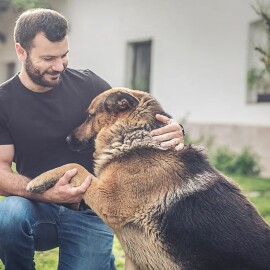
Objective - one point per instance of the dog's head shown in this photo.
(110, 106)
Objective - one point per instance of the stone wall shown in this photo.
(236, 137)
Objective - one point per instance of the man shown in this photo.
(39, 107)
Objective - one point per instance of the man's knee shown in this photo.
(14, 218)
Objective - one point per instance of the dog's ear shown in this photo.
(120, 101)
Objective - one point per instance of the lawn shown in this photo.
(258, 192)
(256, 189)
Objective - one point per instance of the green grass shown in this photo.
(256, 189)
(46, 260)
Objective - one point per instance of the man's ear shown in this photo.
(120, 101)
(21, 52)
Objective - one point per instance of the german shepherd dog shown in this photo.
(170, 210)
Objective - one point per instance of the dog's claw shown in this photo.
(36, 188)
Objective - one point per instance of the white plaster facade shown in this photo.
(7, 52)
(199, 59)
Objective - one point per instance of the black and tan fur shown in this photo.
(170, 210)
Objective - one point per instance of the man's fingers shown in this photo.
(172, 127)
(162, 118)
(82, 188)
(85, 184)
(65, 179)
(171, 143)
(174, 137)
(169, 136)
(179, 147)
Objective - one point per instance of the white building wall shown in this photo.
(199, 53)
(7, 50)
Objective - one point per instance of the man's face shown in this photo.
(46, 61)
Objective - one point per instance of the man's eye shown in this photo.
(47, 58)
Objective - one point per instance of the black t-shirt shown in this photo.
(37, 124)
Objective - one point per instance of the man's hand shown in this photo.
(171, 135)
(64, 192)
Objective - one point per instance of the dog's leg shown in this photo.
(48, 179)
(130, 265)
(101, 196)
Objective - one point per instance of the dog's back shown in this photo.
(215, 227)
(202, 222)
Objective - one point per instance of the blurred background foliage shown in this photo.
(21, 5)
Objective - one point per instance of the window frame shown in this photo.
(133, 61)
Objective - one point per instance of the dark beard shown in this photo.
(37, 77)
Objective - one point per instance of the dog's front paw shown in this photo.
(45, 180)
(38, 185)
(49, 178)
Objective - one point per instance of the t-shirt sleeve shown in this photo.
(5, 137)
(99, 84)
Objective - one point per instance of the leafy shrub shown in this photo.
(242, 163)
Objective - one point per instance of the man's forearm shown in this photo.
(62, 192)
(15, 184)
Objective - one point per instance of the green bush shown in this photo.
(243, 163)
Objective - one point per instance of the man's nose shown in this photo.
(58, 65)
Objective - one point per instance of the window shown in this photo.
(258, 77)
(139, 65)
(10, 69)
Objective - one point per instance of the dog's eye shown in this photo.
(90, 115)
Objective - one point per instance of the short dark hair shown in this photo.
(34, 21)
